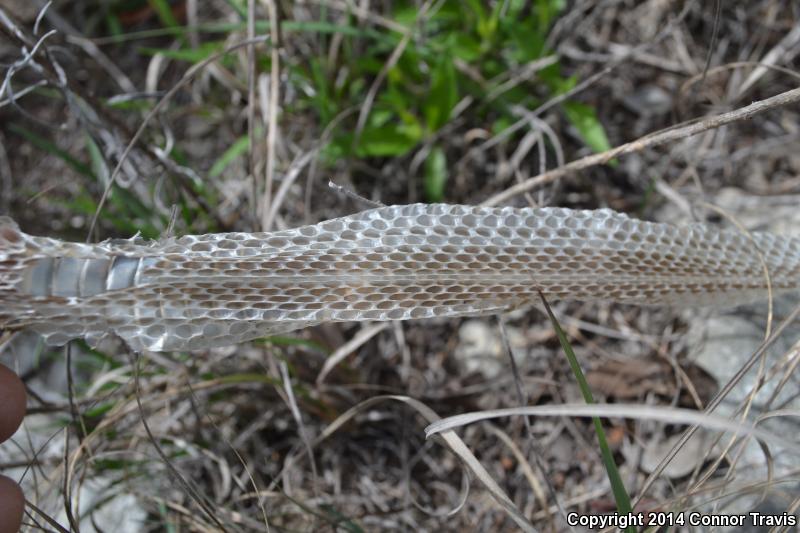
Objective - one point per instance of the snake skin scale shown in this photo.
(391, 263)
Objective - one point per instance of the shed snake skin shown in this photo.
(390, 263)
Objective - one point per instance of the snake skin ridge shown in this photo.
(391, 263)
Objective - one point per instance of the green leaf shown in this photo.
(114, 25)
(283, 340)
(321, 98)
(526, 41)
(388, 140)
(164, 12)
(435, 175)
(493, 21)
(443, 94)
(99, 410)
(547, 10)
(406, 14)
(99, 166)
(322, 27)
(380, 117)
(515, 6)
(483, 22)
(101, 465)
(466, 47)
(617, 486)
(390, 36)
(340, 520)
(239, 147)
(501, 124)
(102, 358)
(190, 55)
(400, 103)
(138, 105)
(589, 127)
(50, 147)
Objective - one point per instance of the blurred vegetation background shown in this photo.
(394, 103)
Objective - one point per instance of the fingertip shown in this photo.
(12, 402)
(12, 505)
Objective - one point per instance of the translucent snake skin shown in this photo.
(391, 263)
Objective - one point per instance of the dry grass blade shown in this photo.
(787, 44)
(198, 497)
(537, 454)
(349, 347)
(301, 427)
(46, 517)
(671, 415)
(527, 470)
(756, 357)
(272, 119)
(449, 438)
(767, 276)
(251, 102)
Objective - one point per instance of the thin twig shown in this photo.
(198, 498)
(251, 100)
(272, 124)
(672, 134)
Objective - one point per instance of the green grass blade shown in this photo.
(50, 147)
(98, 163)
(261, 27)
(589, 127)
(617, 486)
(164, 12)
(435, 178)
(239, 147)
(190, 55)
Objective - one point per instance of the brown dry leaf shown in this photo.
(631, 379)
